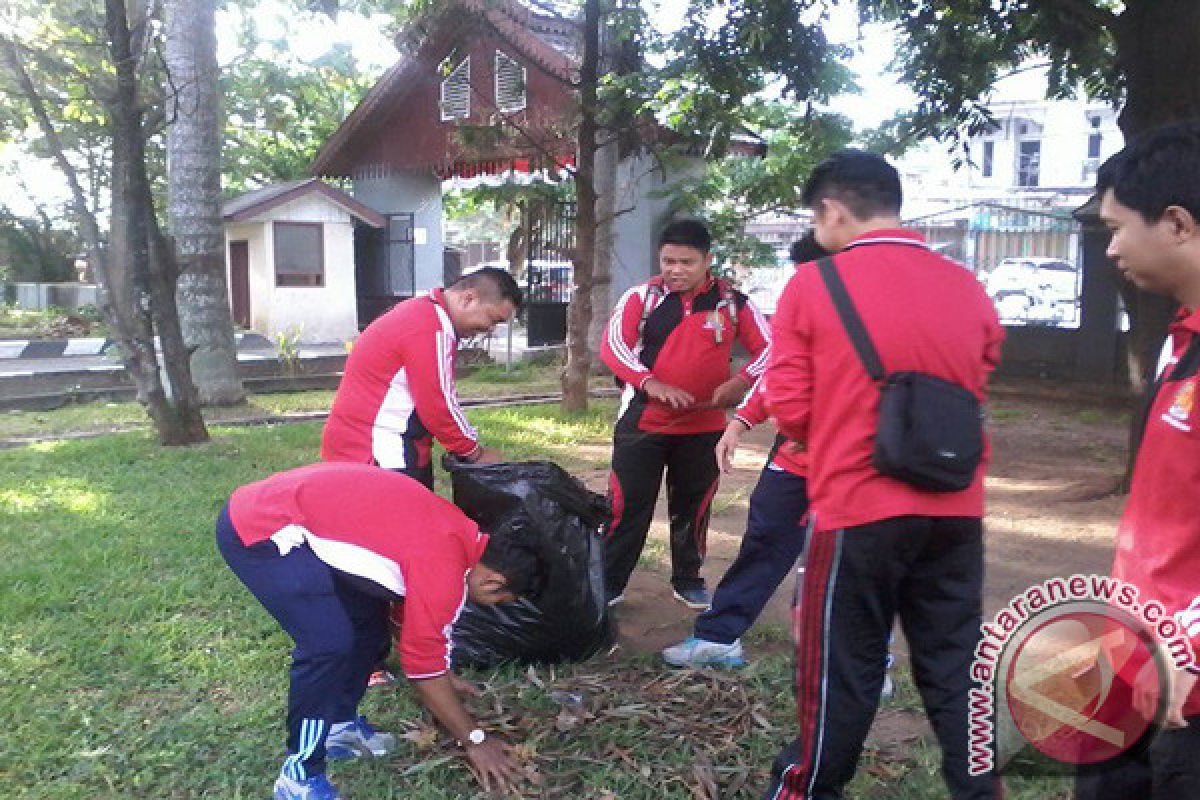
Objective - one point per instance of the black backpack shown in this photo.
(930, 431)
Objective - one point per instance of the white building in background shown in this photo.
(1005, 207)
(1040, 153)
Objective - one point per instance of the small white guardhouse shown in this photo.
(290, 260)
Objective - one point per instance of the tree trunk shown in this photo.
(606, 187)
(140, 267)
(579, 314)
(516, 251)
(605, 183)
(1157, 54)
(194, 200)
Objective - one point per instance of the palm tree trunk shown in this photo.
(194, 200)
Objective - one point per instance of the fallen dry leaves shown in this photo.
(673, 733)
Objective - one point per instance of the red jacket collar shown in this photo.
(1186, 320)
(888, 236)
(438, 296)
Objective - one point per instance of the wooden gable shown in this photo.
(400, 125)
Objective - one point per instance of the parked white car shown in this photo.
(1035, 290)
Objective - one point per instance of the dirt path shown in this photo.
(1050, 512)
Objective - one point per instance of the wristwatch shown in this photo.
(476, 736)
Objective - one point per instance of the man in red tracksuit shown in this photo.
(774, 534)
(397, 393)
(1150, 200)
(877, 547)
(324, 548)
(670, 342)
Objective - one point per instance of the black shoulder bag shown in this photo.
(930, 431)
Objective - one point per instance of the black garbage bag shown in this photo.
(566, 618)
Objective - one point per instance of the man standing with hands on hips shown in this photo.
(670, 342)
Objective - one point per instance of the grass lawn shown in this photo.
(24, 323)
(134, 665)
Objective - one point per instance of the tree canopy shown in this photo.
(280, 109)
(1139, 54)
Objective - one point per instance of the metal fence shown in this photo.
(549, 274)
(1027, 258)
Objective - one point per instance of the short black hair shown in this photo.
(494, 283)
(864, 182)
(1159, 169)
(517, 560)
(806, 249)
(687, 232)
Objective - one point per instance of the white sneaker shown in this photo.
(693, 652)
(317, 787)
(889, 688)
(357, 738)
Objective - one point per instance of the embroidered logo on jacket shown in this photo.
(1180, 412)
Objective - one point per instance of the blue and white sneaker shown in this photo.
(356, 739)
(317, 787)
(693, 652)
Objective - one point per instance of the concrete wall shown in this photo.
(37, 296)
(313, 313)
(639, 179)
(418, 193)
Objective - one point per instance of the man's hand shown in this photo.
(729, 393)
(492, 765)
(463, 686)
(728, 443)
(489, 760)
(489, 455)
(666, 393)
(1182, 684)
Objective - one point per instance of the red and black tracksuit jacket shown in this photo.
(685, 340)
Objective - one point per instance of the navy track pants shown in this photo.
(773, 540)
(340, 633)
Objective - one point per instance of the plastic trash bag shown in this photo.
(566, 618)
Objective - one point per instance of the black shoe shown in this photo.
(696, 598)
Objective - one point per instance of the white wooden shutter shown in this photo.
(510, 84)
(456, 92)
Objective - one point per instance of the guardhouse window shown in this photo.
(299, 254)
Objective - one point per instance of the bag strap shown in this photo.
(652, 290)
(851, 320)
(730, 302)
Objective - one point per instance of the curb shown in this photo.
(94, 346)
